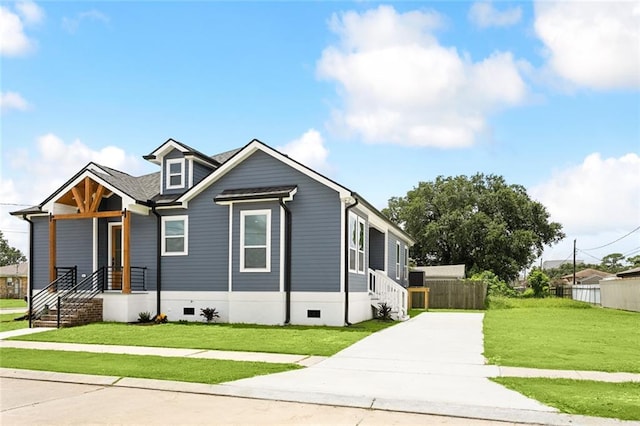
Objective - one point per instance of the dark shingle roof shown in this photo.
(224, 156)
(140, 188)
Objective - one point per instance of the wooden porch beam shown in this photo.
(96, 200)
(126, 253)
(52, 249)
(78, 198)
(87, 215)
(87, 194)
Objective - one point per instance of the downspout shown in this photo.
(24, 217)
(287, 261)
(158, 255)
(346, 260)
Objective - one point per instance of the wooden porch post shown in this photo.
(52, 249)
(126, 243)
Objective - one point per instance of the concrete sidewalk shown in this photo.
(431, 364)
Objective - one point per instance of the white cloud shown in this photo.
(484, 15)
(31, 12)
(72, 24)
(12, 100)
(596, 197)
(14, 230)
(309, 150)
(592, 44)
(399, 85)
(13, 40)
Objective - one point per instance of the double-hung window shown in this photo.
(406, 263)
(397, 260)
(255, 241)
(356, 244)
(175, 235)
(175, 173)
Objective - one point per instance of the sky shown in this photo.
(377, 96)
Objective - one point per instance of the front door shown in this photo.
(115, 260)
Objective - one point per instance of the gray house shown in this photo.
(250, 232)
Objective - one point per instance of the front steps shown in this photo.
(72, 314)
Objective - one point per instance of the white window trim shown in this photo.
(406, 263)
(355, 269)
(397, 260)
(186, 236)
(243, 214)
(169, 175)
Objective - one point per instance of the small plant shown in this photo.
(210, 314)
(384, 312)
(144, 317)
(161, 319)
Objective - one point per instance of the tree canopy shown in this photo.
(480, 221)
(9, 255)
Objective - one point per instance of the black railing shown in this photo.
(45, 300)
(80, 294)
(138, 278)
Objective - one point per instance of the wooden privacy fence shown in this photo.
(456, 294)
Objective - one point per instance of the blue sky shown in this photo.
(377, 96)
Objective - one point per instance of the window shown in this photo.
(255, 241)
(356, 244)
(406, 263)
(175, 235)
(175, 173)
(397, 260)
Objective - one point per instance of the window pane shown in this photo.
(174, 244)
(361, 236)
(255, 230)
(255, 257)
(352, 259)
(175, 180)
(352, 232)
(175, 168)
(361, 261)
(174, 227)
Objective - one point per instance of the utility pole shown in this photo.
(574, 261)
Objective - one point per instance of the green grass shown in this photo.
(589, 398)
(561, 334)
(139, 366)
(232, 337)
(12, 303)
(7, 322)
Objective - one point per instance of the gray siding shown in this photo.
(172, 155)
(257, 281)
(40, 260)
(74, 245)
(199, 172)
(315, 212)
(103, 243)
(376, 249)
(392, 258)
(143, 246)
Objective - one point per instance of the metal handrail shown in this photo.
(47, 296)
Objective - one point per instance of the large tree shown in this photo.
(9, 255)
(480, 221)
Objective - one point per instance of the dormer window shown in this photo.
(175, 173)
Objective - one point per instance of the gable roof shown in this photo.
(588, 273)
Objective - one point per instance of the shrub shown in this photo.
(528, 293)
(144, 317)
(539, 282)
(161, 319)
(384, 312)
(495, 286)
(210, 314)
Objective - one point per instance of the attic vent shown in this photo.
(313, 313)
(189, 311)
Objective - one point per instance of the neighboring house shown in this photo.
(250, 232)
(587, 276)
(442, 272)
(629, 273)
(14, 281)
(552, 264)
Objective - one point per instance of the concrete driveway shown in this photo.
(433, 360)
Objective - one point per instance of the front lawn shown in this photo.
(561, 334)
(585, 397)
(148, 367)
(7, 322)
(231, 337)
(13, 303)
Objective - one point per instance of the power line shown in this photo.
(583, 252)
(15, 204)
(614, 241)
